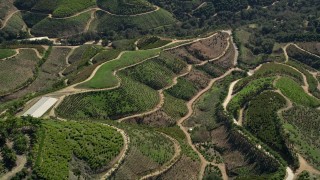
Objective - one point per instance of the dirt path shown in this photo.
(315, 75)
(122, 154)
(305, 166)
(21, 161)
(133, 15)
(6, 19)
(229, 96)
(67, 59)
(17, 53)
(93, 13)
(305, 50)
(285, 52)
(169, 164)
(189, 104)
(200, 6)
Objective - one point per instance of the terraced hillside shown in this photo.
(186, 109)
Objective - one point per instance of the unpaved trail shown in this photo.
(67, 59)
(304, 50)
(21, 162)
(93, 13)
(315, 76)
(122, 154)
(200, 6)
(229, 96)
(285, 52)
(305, 166)
(289, 174)
(6, 19)
(169, 164)
(157, 8)
(161, 102)
(189, 104)
(17, 53)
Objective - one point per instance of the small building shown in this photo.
(41, 107)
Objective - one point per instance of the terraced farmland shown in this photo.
(126, 7)
(21, 68)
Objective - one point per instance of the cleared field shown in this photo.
(106, 22)
(104, 77)
(5, 53)
(302, 124)
(113, 104)
(125, 7)
(18, 71)
(61, 27)
(202, 50)
(48, 76)
(294, 91)
(88, 145)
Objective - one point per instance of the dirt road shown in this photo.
(6, 19)
(21, 162)
(203, 161)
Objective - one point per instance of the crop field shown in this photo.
(151, 42)
(125, 7)
(313, 83)
(151, 73)
(113, 104)
(5, 53)
(313, 47)
(262, 114)
(148, 151)
(93, 144)
(175, 65)
(248, 92)
(106, 55)
(61, 27)
(80, 58)
(269, 70)
(303, 57)
(202, 50)
(293, 91)
(31, 18)
(39, 48)
(15, 23)
(21, 69)
(48, 76)
(174, 107)
(104, 77)
(107, 22)
(184, 89)
(302, 123)
(199, 79)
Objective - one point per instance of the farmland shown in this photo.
(302, 122)
(48, 77)
(151, 42)
(104, 77)
(5, 53)
(61, 27)
(94, 144)
(156, 19)
(127, 7)
(113, 104)
(293, 91)
(21, 68)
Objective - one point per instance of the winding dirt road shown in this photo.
(305, 166)
(189, 104)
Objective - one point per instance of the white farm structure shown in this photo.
(41, 107)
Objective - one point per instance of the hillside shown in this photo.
(166, 89)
